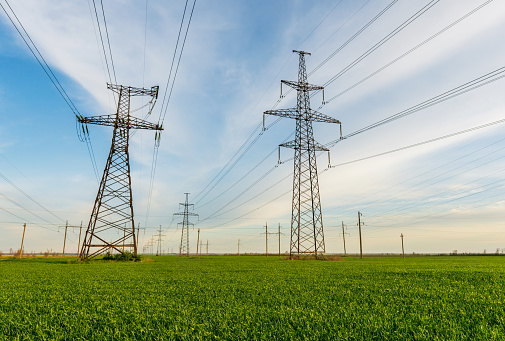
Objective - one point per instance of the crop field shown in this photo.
(253, 298)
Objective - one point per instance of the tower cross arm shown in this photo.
(110, 120)
(313, 115)
(315, 146)
(187, 213)
(316, 116)
(133, 91)
(302, 86)
(289, 113)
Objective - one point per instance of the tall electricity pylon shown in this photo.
(113, 208)
(307, 236)
(184, 247)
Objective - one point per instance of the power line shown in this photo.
(407, 53)
(246, 174)
(419, 175)
(108, 41)
(341, 47)
(420, 143)
(103, 46)
(358, 160)
(178, 62)
(457, 91)
(173, 60)
(315, 28)
(38, 56)
(160, 122)
(28, 196)
(361, 30)
(382, 42)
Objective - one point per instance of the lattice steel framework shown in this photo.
(307, 236)
(111, 226)
(184, 246)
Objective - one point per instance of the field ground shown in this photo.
(253, 298)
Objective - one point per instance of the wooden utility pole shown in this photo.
(360, 240)
(22, 241)
(138, 228)
(79, 244)
(207, 250)
(238, 247)
(197, 242)
(343, 236)
(403, 250)
(279, 232)
(266, 240)
(65, 238)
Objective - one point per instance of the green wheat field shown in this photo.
(253, 298)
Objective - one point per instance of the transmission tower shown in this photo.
(158, 246)
(113, 208)
(184, 247)
(307, 235)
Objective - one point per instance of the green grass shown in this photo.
(254, 298)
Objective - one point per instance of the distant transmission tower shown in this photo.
(184, 247)
(307, 235)
(112, 216)
(158, 247)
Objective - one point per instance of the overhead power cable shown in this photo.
(420, 143)
(345, 163)
(166, 100)
(354, 36)
(348, 41)
(47, 70)
(380, 43)
(315, 28)
(173, 60)
(6, 179)
(178, 63)
(245, 175)
(407, 53)
(40, 59)
(457, 91)
(108, 42)
(103, 45)
(464, 147)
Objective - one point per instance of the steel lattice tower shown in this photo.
(111, 226)
(307, 236)
(184, 247)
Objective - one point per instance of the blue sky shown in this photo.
(443, 196)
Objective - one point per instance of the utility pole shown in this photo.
(65, 238)
(22, 241)
(266, 240)
(360, 240)
(307, 236)
(279, 233)
(343, 236)
(79, 243)
(184, 246)
(403, 250)
(197, 242)
(113, 206)
(137, 235)
(238, 247)
(207, 250)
